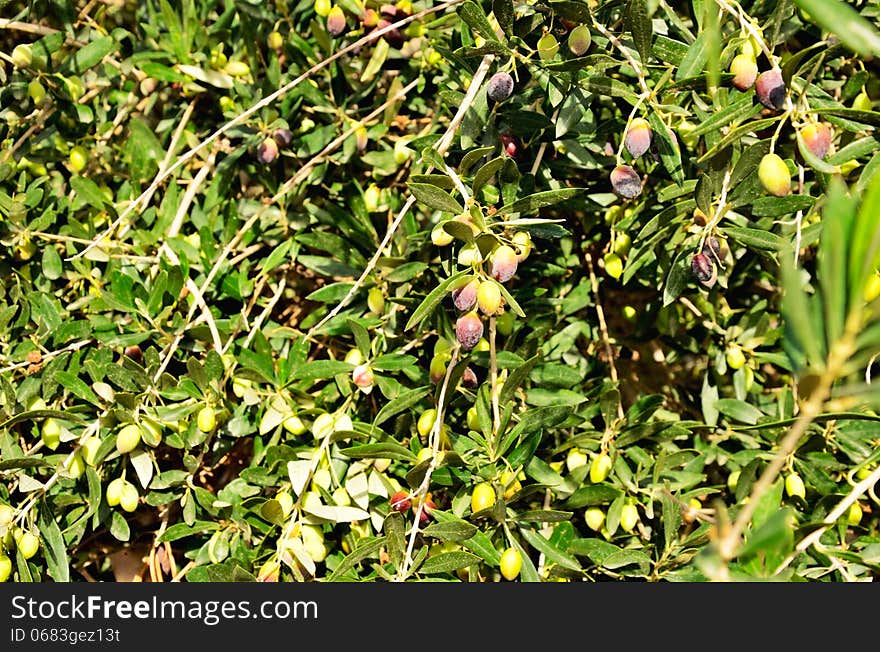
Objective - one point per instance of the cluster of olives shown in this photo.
(12, 536)
(269, 148)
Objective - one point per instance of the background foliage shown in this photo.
(238, 226)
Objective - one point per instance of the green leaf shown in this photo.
(741, 109)
(486, 172)
(426, 307)
(435, 197)
(55, 549)
(837, 219)
(88, 56)
(384, 449)
(366, 548)
(447, 562)
(639, 23)
(775, 533)
(456, 531)
(678, 277)
(695, 59)
(516, 378)
(776, 206)
(552, 553)
(756, 238)
(76, 386)
(739, 410)
(667, 146)
(535, 202)
(402, 402)
(475, 17)
(88, 191)
(856, 32)
(864, 244)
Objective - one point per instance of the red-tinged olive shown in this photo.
(579, 40)
(362, 376)
(428, 506)
(468, 330)
(503, 263)
(283, 137)
(509, 143)
(626, 182)
(638, 137)
(704, 269)
(489, 297)
(774, 175)
(267, 151)
(817, 136)
(370, 18)
(465, 297)
(712, 248)
(469, 378)
(744, 70)
(336, 21)
(400, 501)
(770, 88)
(500, 87)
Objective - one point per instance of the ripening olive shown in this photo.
(499, 87)
(510, 564)
(744, 70)
(638, 137)
(468, 330)
(482, 497)
(770, 89)
(625, 181)
(503, 263)
(489, 297)
(600, 468)
(817, 137)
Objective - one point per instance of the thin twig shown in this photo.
(603, 328)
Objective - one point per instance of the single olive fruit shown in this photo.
(482, 497)
(50, 433)
(594, 518)
(114, 491)
(638, 137)
(626, 182)
(237, 68)
(622, 243)
(770, 89)
(505, 322)
(75, 465)
(376, 300)
(600, 468)
(426, 422)
(733, 480)
(744, 70)
(36, 91)
(629, 516)
(275, 40)
(465, 297)
(267, 151)
(613, 265)
(128, 500)
(522, 245)
(575, 459)
(510, 564)
(5, 567)
(862, 102)
(854, 515)
(400, 501)
(548, 46)
(872, 288)
(128, 438)
(703, 269)
(469, 255)
(294, 425)
(336, 23)
(503, 263)
(469, 378)
(509, 143)
(735, 357)
(510, 484)
(774, 175)
(489, 297)
(499, 87)
(473, 421)
(22, 56)
(712, 248)
(7, 514)
(283, 137)
(437, 368)
(313, 542)
(206, 419)
(794, 485)
(579, 40)
(362, 376)
(817, 137)
(440, 236)
(468, 330)
(28, 544)
(323, 7)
